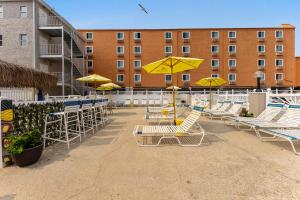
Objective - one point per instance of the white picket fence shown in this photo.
(18, 94)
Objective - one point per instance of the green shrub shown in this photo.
(18, 143)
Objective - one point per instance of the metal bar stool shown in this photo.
(63, 126)
(86, 116)
(98, 116)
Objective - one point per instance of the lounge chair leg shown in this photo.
(293, 147)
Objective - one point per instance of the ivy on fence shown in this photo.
(32, 116)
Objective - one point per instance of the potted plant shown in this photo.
(26, 148)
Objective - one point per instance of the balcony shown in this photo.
(120, 68)
(232, 39)
(120, 54)
(261, 53)
(279, 39)
(261, 39)
(53, 51)
(279, 53)
(50, 21)
(168, 82)
(59, 76)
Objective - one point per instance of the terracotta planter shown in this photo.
(29, 156)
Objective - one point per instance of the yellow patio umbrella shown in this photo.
(211, 82)
(94, 78)
(174, 87)
(108, 87)
(172, 65)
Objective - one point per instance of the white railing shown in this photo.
(50, 21)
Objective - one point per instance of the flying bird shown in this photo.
(143, 9)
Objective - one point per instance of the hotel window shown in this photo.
(23, 40)
(279, 62)
(232, 48)
(279, 48)
(120, 64)
(90, 64)
(89, 50)
(137, 35)
(186, 49)
(261, 34)
(261, 48)
(215, 63)
(23, 11)
(168, 49)
(278, 34)
(120, 36)
(186, 35)
(1, 41)
(232, 77)
(137, 78)
(215, 48)
(168, 35)
(232, 34)
(120, 49)
(120, 78)
(137, 49)
(137, 64)
(89, 36)
(279, 76)
(232, 62)
(261, 63)
(1, 11)
(168, 78)
(185, 77)
(215, 34)
(215, 75)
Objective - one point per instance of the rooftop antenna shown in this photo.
(143, 8)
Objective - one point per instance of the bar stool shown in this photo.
(63, 126)
(86, 116)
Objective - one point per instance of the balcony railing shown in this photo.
(50, 49)
(59, 77)
(50, 21)
(54, 50)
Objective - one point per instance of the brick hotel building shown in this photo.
(234, 54)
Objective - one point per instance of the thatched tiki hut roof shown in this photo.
(12, 75)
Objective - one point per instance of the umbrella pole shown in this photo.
(210, 98)
(95, 90)
(174, 99)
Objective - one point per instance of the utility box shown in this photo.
(257, 102)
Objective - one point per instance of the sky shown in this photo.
(104, 14)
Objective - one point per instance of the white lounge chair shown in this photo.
(277, 135)
(271, 111)
(234, 110)
(290, 119)
(182, 133)
(223, 108)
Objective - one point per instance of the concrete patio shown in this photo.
(109, 165)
